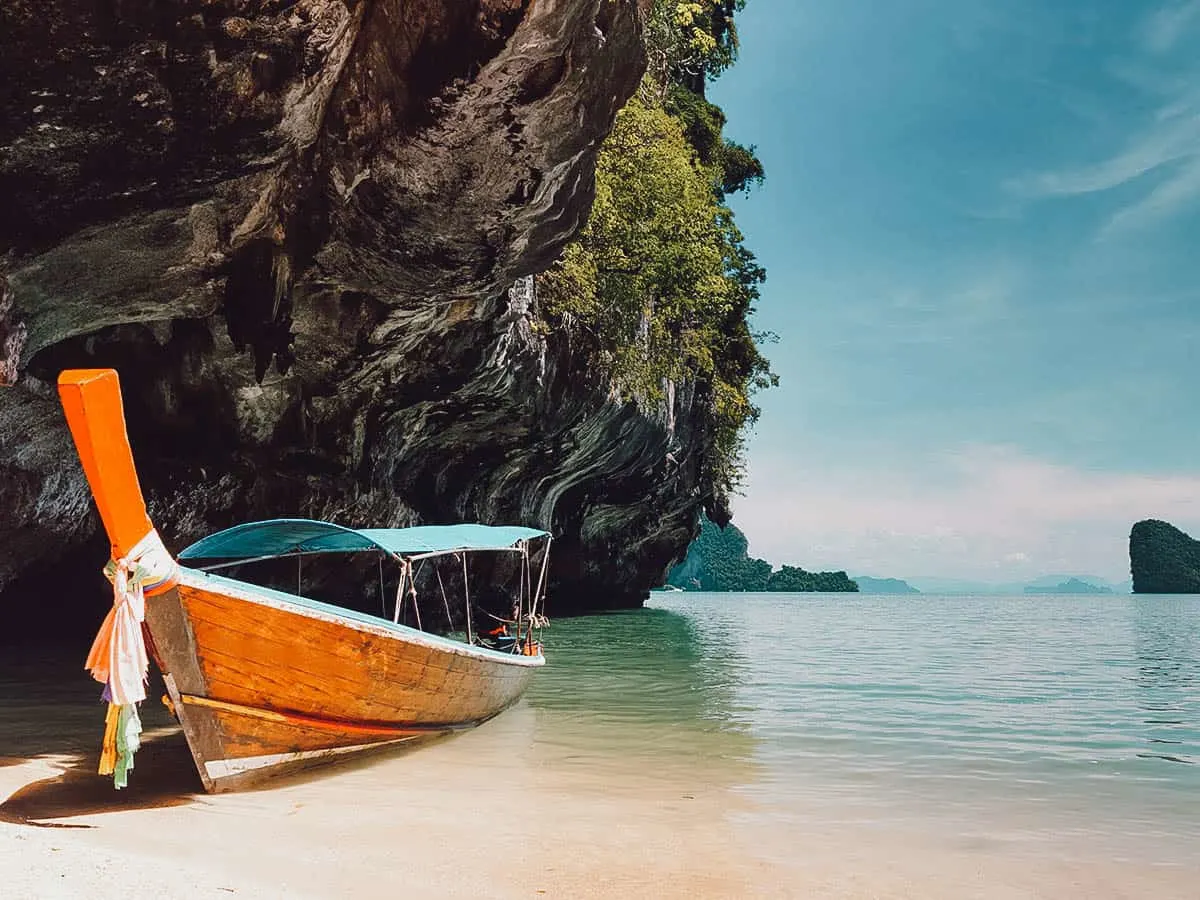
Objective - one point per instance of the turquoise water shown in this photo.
(1035, 719)
(1066, 727)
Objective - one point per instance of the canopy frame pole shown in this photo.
(467, 598)
(299, 561)
(526, 586)
(540, 595)
(254, 559)
(416, 557)
(382, 590)
(404, 568)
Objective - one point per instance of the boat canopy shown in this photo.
(287, 537)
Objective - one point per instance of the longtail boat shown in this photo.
(265, 681)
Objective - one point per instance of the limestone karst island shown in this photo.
(1163, 559)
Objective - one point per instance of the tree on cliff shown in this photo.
(719, 560)
(690, 41)
(1163, 559)
(659, 278)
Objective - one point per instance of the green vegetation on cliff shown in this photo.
(1163, 560)
(659, 279)
(719, 560)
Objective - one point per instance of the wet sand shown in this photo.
(471, 816)
(496, 813)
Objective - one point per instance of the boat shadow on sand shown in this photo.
(51, 721)
(163, 776)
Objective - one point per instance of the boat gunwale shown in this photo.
(326, 612)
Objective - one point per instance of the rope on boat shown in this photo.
(445, 600)
(405, 570)
(412, 592)
(118, 657)
(540, 620)
(531, 619)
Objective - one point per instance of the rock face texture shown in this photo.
(1163, 560)
(301, 230)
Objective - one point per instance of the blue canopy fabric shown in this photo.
(281, 537)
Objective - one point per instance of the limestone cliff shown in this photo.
(301, 230)
(1163, 560)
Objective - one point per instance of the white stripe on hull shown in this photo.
(227, 768)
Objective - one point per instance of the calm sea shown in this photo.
(1062, 728)
(1035, 721)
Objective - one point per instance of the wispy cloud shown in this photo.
(1166, 143)
(979, 512)
(1165, 140)
(1162, 30)
(1175, 194)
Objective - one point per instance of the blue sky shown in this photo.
(981, 226)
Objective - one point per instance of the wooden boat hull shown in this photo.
(260, 680)
(264, 682)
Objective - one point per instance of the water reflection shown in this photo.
(647, 683)
(1167, 675)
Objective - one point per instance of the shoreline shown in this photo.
(494, 813)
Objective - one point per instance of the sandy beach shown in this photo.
(498, 812)
(472, 816)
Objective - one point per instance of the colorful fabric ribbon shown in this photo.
(122, 738)
(118, 657)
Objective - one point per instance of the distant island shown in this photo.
(719, 560)
(1163, 559)
(869, 585)
(1070, 586)
(1044, 584)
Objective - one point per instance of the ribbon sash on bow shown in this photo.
(118, 657)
